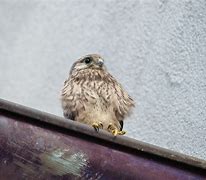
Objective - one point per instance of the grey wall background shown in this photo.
(156, 48)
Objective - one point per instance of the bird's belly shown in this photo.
(96, 115)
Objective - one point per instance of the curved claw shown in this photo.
(121, 132)
(97, 126)
(115, 132)
(111, 128)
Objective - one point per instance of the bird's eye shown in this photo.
(87, 60)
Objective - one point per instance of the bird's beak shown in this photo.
(100, 62)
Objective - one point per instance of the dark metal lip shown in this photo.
(84, 129)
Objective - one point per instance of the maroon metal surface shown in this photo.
(32, 148)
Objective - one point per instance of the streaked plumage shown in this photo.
(91, 95)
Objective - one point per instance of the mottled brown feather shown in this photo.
(91, 94)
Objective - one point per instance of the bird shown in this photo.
(91, 95)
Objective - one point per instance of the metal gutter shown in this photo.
(129, 157)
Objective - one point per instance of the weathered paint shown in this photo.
(61, 162)
(34, 149)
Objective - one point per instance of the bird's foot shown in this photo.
(111, 128)
(121, 132)
(97, 126)
(116, 132)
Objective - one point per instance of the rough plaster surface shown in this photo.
(157, 49)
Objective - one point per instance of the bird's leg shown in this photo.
(111, 128)
(97, 126)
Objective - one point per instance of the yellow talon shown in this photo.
(97, 126)
(114, 130)
(121, 132)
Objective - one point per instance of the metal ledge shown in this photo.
(124, 144)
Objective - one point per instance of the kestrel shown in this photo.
(91, 95)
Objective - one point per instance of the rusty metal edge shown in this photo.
(84, 129)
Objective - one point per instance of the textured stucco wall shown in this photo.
(157, 49)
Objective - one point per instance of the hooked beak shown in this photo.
(100, 62)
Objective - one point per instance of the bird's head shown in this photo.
(90, 61)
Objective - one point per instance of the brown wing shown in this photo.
(121, 125)
(71, 99)
(122, 102)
